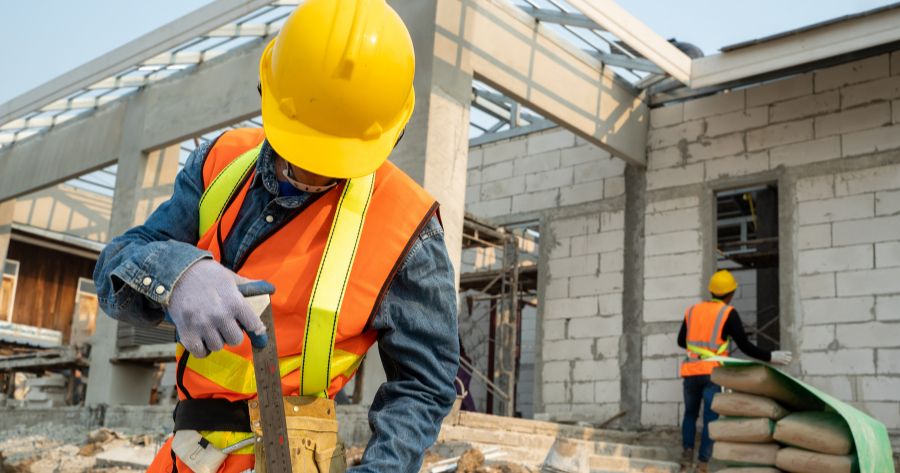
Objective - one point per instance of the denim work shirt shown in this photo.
(416, 323)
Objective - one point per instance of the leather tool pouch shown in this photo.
(312, 435)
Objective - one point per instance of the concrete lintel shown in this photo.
(511, 50)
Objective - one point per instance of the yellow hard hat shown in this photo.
(722, 283)
(337, 86)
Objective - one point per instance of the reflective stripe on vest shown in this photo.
(216, 196)
(708, 348)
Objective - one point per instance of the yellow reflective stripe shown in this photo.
(218, 193)
(331, 283)
(235, 373)
(222, 440)
(706, 353)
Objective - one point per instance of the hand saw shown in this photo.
(268, 388)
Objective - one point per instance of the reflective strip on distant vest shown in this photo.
(331, 264)
(705, 322)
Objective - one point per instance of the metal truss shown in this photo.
(494, 116)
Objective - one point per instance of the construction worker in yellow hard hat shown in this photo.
(707, 331)
(308, 210)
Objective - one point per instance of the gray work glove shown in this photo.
(780, 357)
(208, 308)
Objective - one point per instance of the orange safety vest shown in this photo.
(705, 322)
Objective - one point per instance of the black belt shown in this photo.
(212, 414)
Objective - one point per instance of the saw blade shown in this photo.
(268, 388)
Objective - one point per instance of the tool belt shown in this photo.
(311, 425)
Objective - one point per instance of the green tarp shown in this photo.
(873, 446)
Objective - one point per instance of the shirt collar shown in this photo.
(265, 174)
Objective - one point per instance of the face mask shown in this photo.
(288, 174)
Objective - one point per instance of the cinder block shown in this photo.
(895, 63)
(663, 368)
(606, 241)
(836, 259)
(872, 281)
(806, 106)
(815, 188)
(473, 194)
(673, 135)
(816, 285)
(854, 119)
(737, 121)
(535, 201)
(710, 148)
(844, 361)
(852, 73)
(554, 329)
(869, 335)
(556, 371)
(879, 388)
(661, 344)
(871, 141)
(837, 386)
(557, 138)
(671, 243)
(580, 193)
(612, 261)
(607, 391)
(667, 310)
(490, 208)
(548, 179)
(868, 180)
(672, 204)
(473, 176)
(888, 413)
(716, 104)
(556, 289)
(560, 248)
(599, 169)
(583, 392)
(569, 227)
(574, 266)
(580, 154)
(613, 187)
(668, 390)
(534, 163)
(676, 176)
(496, 172)
(816, 337)
(503, 188)
(806, 152)
(554, 393)
(887, 254)
(606, 347)
(501, 151)
(887, 203)
(667, 157)
(476, 158)
(671, 287)
(612, 220)
(872, 91)
(671, 265)
(610, 304)
(739, 165)
(591, 285)
(782, 89)
(814, 236)
(887, 307)
(836, 210)
(571, 307)
(838, 310)
(570, 349)
(666, 115)
(594, 370)
(660, 414)
(593, 327)
(888, 361)
(780, 134)
(870, 230)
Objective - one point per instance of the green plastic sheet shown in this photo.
(873, 446)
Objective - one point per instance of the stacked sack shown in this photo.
(760, 432)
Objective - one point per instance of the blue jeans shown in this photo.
(698, 389)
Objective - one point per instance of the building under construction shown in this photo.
(592, 176)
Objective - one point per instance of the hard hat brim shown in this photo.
(322, 153)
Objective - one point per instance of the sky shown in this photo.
(43, 39)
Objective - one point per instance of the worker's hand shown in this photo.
(208, 308)
(780, 357)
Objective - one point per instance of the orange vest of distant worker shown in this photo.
(705, 322)
(289, 259)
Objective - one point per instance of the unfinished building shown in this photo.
(592, 177)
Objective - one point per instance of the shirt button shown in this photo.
(160, 289)
(147, 281)
(270, 218)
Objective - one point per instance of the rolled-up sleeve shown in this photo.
(419, 346)
(136, 271)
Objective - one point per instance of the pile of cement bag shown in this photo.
(767, 427)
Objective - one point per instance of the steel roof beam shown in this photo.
(562, 18)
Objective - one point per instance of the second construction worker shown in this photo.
(707, 330)
(308, 210)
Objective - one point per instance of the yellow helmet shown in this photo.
(337, 86)
(722, 283)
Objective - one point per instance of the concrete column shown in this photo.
(143, 181)
(631, 346)
(6, 219)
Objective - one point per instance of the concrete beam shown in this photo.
(511, 50)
